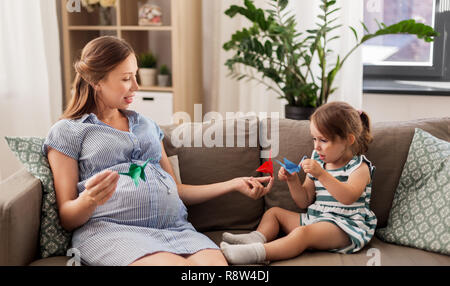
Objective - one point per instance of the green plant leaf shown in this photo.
(354, 33)
(283, 4)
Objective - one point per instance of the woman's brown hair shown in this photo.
(341, 119)
(98, 58)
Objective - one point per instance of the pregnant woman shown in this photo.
(115, 220)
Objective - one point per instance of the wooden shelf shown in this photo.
(156, 88)
(145, 28)
(123, 28)
(92, 28)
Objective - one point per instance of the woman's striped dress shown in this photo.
(357, 220)
(136, 220)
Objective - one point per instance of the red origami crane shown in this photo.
(267, 167)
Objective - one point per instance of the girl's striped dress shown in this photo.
(136, 220)
(357, 220)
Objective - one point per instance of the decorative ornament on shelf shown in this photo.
(104, 9)
(149, 14)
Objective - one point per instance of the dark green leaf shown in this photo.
(354, 33)
(283, 4)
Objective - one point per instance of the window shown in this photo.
(405, 56)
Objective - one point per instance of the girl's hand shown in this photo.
(312, 167)
(101, 187)
(252, 187)
(285, 176)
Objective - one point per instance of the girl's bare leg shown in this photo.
(321, 236)
(276, 218)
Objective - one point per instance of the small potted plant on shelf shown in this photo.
(147, 68)
(276, 50)
(164, 76)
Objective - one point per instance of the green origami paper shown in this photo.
(136, 172)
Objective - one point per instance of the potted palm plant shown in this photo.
(274, 48)
(147, 68)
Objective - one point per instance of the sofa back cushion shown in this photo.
(388, 152)
(200, 162)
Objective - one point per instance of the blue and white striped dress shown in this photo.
(136, 220)
(356, 220)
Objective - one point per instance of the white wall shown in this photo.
(398, 107)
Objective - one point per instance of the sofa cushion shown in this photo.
(388, 152)
(420, 214)
(54, 239)
(203, 161)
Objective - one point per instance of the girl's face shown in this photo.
(331, 151)
(117, 89)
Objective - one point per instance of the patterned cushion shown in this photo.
(420, 213)
(54, 240)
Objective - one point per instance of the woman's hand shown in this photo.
(101, 187)
(312, 167)
(285, 176)
(252, 187)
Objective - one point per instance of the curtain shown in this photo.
(223, 94)
(30, 73)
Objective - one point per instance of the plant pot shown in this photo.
(147, 76)
(163, 80)
(298, 113)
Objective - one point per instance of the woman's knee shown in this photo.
(162, 259)
(208, 257)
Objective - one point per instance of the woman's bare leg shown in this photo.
(162, 259)
(208, 257)
(321, 236)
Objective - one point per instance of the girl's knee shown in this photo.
(273, 211)
(300, 231)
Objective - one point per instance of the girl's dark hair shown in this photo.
(98, 58)
(341, 119)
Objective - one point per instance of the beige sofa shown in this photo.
(20, 195)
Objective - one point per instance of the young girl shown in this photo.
(114, 221)
(336, 193)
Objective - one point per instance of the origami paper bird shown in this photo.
(136, 172)
(267, 167)
(290, 166)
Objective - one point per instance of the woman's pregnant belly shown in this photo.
(152, 203)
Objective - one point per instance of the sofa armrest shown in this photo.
(20, 211)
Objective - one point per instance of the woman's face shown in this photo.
(117, 89)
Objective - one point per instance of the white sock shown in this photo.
(244, 253)
(246, 238)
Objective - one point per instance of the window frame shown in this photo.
(439, 71)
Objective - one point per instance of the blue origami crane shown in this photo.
(291, 167)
